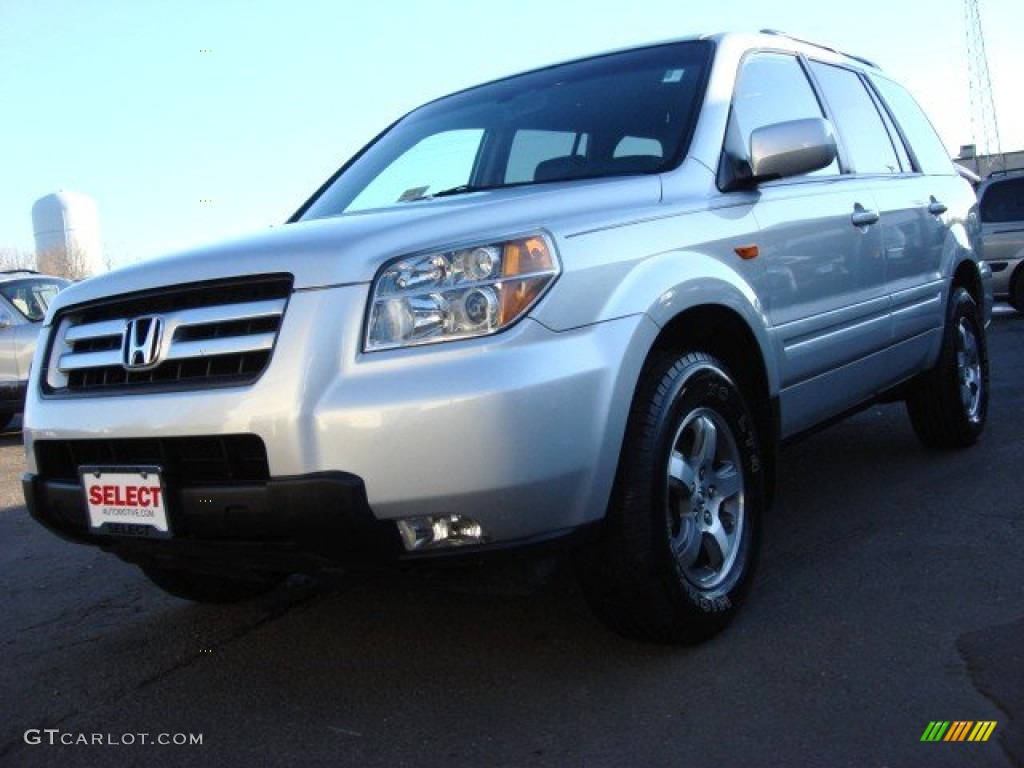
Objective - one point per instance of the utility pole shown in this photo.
(984, 126)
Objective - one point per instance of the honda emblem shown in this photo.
(142, 342)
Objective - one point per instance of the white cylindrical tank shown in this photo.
(67, 234)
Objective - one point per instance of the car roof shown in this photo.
(764, 39)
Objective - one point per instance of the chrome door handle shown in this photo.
(862, 217)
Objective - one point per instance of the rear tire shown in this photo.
(677, 550)
(205, 588)
(949, 404)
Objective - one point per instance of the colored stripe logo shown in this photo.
(959, 730)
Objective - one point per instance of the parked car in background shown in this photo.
(25, 296)
(583, 305)
(1001, 209)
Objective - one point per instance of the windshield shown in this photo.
(624, 113)
(32, 297)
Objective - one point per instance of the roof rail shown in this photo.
(861, 59)
(19, 271)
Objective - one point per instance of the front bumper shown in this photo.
(519, 432)
(286, 524)
(311, 524)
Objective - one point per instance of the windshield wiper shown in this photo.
(419, 193)
(463, 189)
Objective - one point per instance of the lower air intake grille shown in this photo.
(235, 459)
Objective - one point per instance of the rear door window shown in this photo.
(868, 145)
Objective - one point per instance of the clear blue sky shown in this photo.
(154, 108)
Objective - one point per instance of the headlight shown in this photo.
(458, 294)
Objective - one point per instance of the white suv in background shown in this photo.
(583, 305)
(24, 297)
(1001, 207)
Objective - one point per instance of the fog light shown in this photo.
(432, 532)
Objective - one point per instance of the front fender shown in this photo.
(712, 284)
(662, 287)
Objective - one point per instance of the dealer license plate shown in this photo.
(126, 501)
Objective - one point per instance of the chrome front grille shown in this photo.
(212, 334)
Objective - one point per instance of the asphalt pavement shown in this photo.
(890, 595)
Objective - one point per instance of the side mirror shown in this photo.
(779, 150)
(6, 321)
(791, 148)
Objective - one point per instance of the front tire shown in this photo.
(949, 404)
(678, 547)
(205, 588)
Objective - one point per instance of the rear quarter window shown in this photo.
(929, 153)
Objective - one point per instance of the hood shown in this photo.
(351, 248)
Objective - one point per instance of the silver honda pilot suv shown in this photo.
(584, 305)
